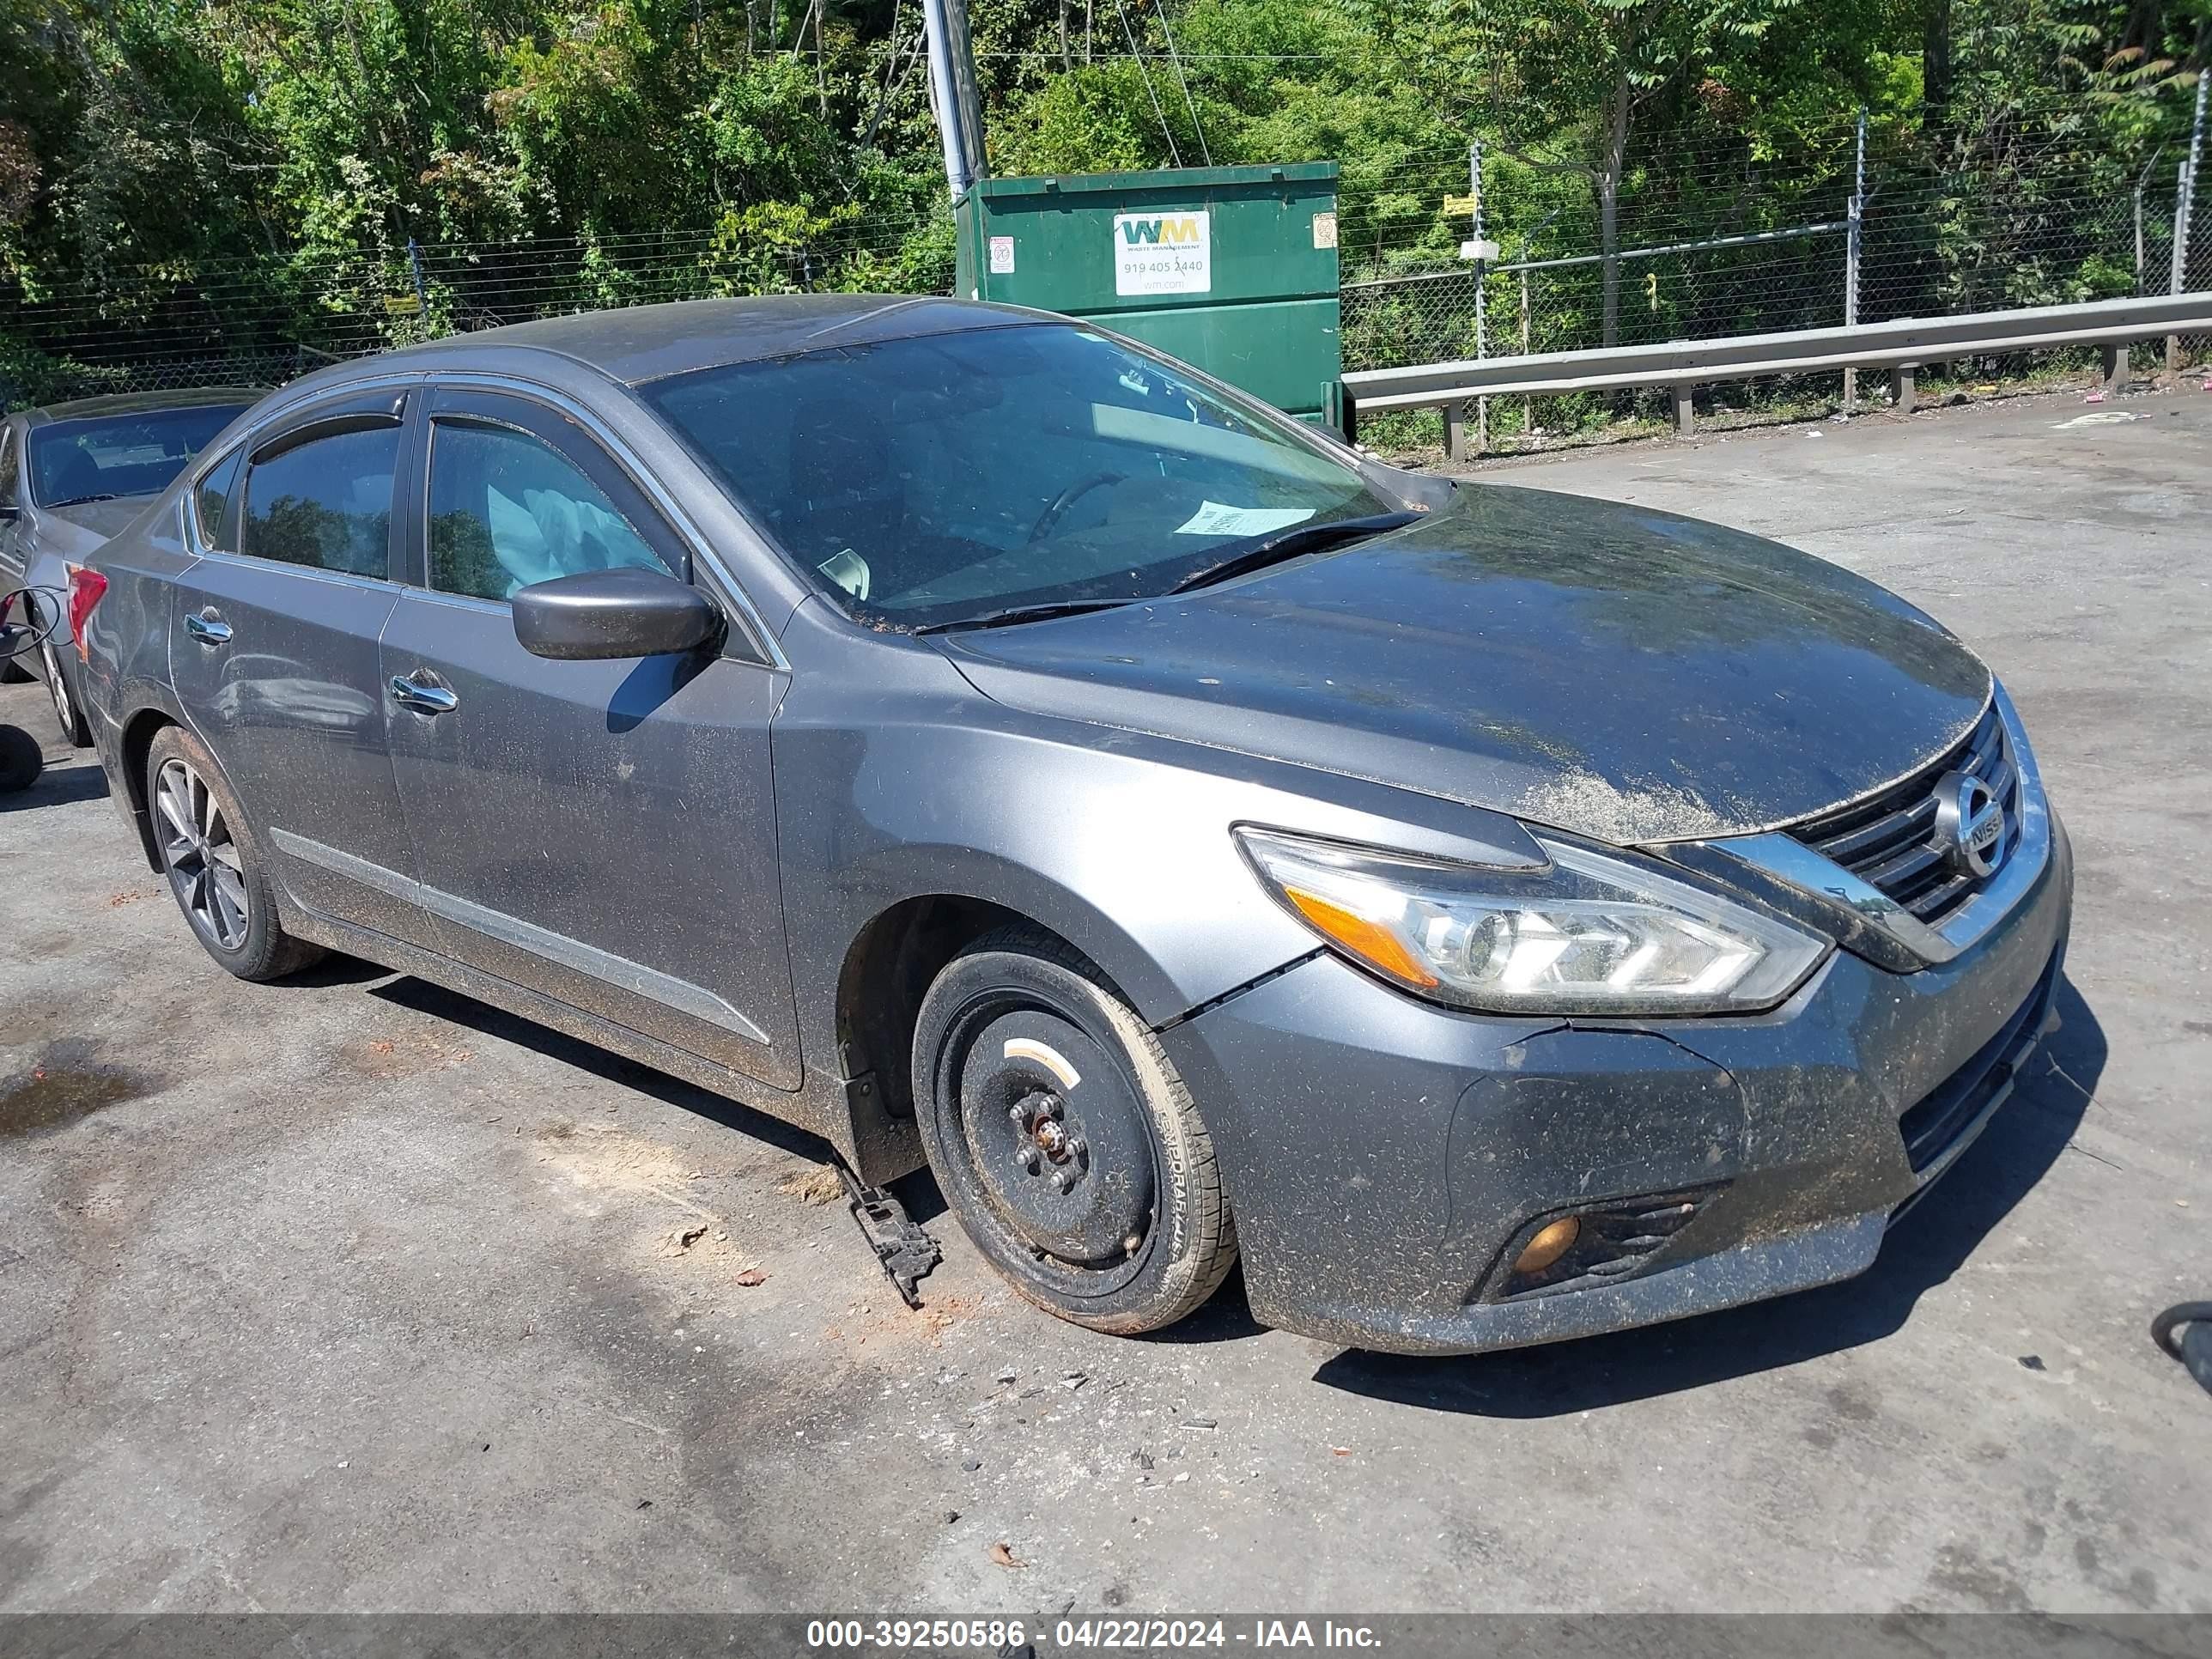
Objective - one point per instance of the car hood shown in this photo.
(1612, 670)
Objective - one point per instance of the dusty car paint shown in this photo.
(1625, 674)
(734, 865)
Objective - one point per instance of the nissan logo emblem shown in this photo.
(1970, 825)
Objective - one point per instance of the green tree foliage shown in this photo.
(283, 153)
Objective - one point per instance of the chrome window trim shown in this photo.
(680, 521)
(313, 572)
(500, 608)
(1789, 861)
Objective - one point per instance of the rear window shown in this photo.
(103, 456)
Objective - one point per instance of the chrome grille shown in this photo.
(1889, 840)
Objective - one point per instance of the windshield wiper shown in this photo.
(82, 500)
(1023, 613)
(1304, 539)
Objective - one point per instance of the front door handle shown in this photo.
(207, 628)
(423, 699)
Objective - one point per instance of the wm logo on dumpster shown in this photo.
(1188, 230)
(1163, 252)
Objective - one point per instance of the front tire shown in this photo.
(215, 863)
(1064, 1141)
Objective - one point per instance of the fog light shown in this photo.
(1552, 1241)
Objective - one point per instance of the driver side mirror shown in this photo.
(630, 612)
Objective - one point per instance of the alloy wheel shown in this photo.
(58, 688)
(206, 867)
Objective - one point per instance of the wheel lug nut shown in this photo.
(1054, 1108)
(1030, 1159)
(1060, 1180)
(1015, 1114)
(1077, 1146)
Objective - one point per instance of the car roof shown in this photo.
(637, 343)
(140, 402)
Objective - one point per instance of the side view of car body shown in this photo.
(73, 474)
(1494, 915)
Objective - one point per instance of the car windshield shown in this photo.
(958, 476)
(101, 456)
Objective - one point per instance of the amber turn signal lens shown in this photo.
(1552, 1241)
(1370, 941)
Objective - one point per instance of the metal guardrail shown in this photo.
(1683, 365)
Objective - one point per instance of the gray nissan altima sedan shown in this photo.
(1494, 916)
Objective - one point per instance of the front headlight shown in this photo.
(1590, 935)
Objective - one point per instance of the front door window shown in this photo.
(508, 510)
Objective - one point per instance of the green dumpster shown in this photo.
(1232, 269)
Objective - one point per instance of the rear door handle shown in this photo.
(207, 628)
(423, 699)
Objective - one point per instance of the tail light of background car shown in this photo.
(85, 589)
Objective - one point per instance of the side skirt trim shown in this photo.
(666, 989)
(402, 958)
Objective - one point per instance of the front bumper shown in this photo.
(1383, 1155)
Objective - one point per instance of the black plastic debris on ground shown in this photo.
(907, 1252)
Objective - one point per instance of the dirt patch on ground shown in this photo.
(811, 1183)
(408, 1054)
(614, 1171)
(878, 1326)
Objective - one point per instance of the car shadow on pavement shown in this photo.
(425, 997)
(59, 785)
(338, 968)
(1924, 1249)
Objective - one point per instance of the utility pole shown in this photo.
(1851, 263)
(952, 91)
(2185, 203)
(1481, 282)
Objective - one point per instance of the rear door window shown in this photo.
(9, 449)
(325, 503)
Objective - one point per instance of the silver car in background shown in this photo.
(73, 474)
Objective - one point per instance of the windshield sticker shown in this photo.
(1163, 253)
(848, 570)
(1212, 519)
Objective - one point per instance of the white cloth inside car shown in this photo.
(548, 534)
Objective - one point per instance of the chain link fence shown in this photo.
(2033, 209)
(2038, 205)
(266, 321)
